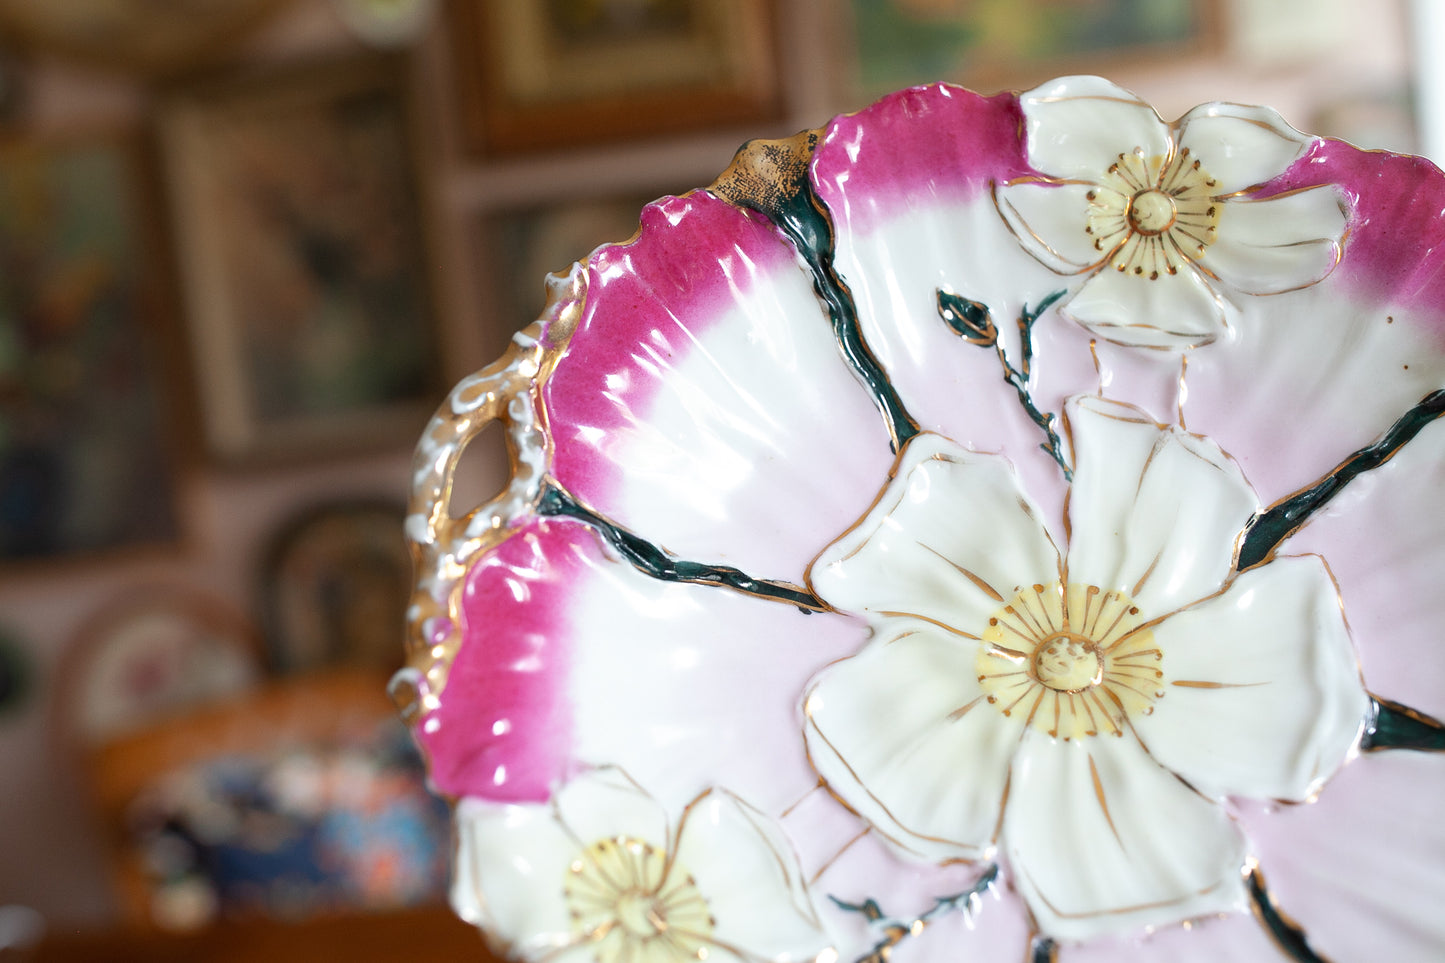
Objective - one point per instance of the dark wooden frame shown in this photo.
(317, 235)
(721, 70)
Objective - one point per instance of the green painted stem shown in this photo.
(896, 931)
(1396, 726)
(653, 561)
(1043, 950)
(1286, 933)
(795, 208)
(972, 320)
(1267, 529)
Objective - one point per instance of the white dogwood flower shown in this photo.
(1083, 709)
(596, 873)
(1160, 218)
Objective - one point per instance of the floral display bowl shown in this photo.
(981, 528)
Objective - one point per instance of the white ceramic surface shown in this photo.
(981, 528)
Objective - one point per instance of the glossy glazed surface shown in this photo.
(981, 528)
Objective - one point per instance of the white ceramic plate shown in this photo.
(982, 528)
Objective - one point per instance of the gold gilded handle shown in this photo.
(442, 546)
(501, 392)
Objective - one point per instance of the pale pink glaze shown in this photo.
(646, 301)
(1395, 250)
(1364, 860)
(503, 731)
(921, 145)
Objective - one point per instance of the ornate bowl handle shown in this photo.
(442, 545)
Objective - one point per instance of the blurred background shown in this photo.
(245, 248)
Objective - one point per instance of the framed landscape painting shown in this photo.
(1016, 43)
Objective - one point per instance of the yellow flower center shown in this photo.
(634, 906)
(1066, 662)
(1075, 659)
(1152, 212)
(1151, 215)
(640, 914)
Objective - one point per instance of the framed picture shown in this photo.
(150, 653)
(335, 584)
(1018, 43)
(87, 404)
(303, 260)
(551, 73)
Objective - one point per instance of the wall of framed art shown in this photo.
(235, 277)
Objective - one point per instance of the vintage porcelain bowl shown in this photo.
(982, 528)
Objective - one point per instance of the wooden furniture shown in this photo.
(309, 710)
(305, 710)
(430, 933)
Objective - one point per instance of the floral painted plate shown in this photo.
(982, 528)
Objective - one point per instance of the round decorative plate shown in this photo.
(152, 652)
(982, 528)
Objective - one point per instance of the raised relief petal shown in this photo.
(1277, 244)
(1241, 146)
(1173, 311)
(1154, 510)
(1102, 839)
(1078, 126)
(1044, 218)
(933, 777)
(757, 897)
(949, 540)
(605, 802)
(511, 861)
(1263, 693)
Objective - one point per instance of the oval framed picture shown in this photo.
(334, 588)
